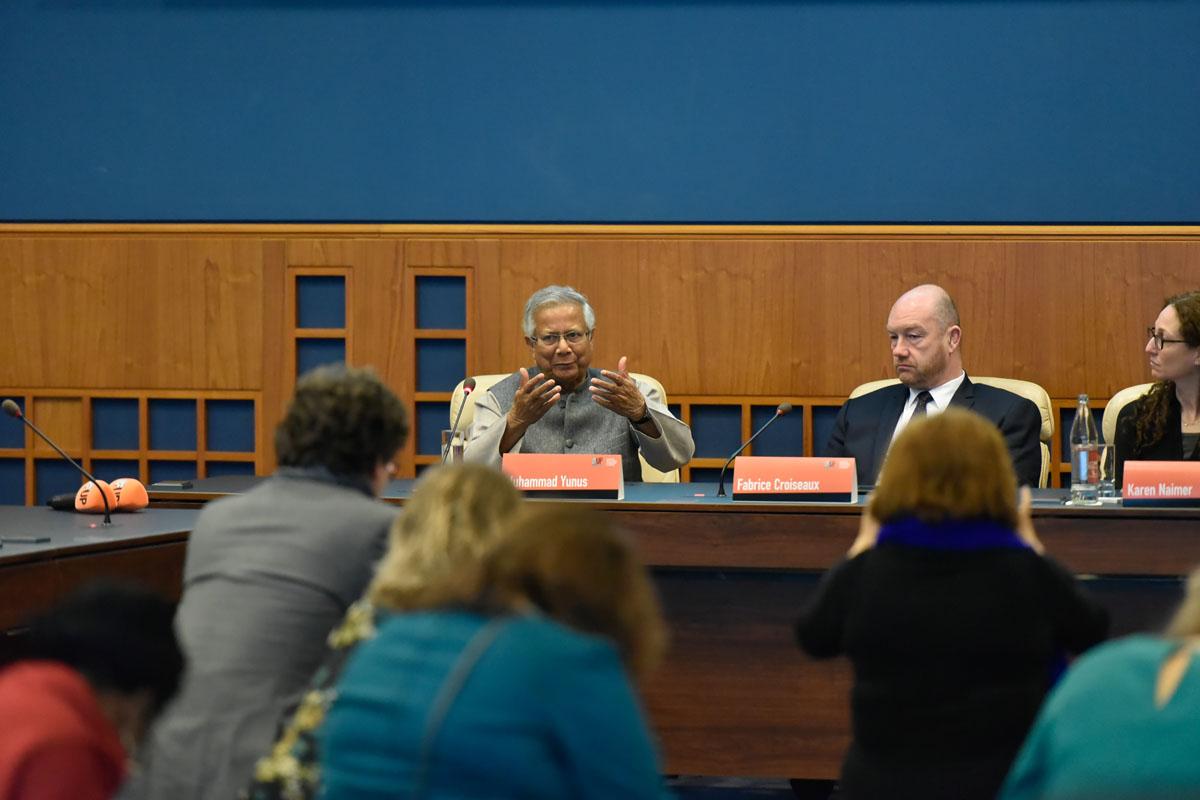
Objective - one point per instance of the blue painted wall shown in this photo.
(1028, 110)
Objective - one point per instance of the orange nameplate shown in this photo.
(564, 476)
(814, 480)
(1162, 483)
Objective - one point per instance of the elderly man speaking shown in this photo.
(563, 405)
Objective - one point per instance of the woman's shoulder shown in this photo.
(1136, 651)
(537, 630)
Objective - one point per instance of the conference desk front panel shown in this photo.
(735, 696)
(146, 547)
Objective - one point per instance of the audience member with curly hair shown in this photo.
(268, 573)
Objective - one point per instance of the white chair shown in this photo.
(1027, 389)
(1113, 409)
(485, 382)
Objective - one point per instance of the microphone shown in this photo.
(468, 387)
(13, 410)
(779, 412)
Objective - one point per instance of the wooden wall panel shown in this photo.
(719, 314)
(807, 317)
(60, 418)
(374, 303)
(116, 312)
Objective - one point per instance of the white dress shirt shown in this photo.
(941, 401)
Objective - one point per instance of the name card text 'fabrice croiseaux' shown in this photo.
(824, 480)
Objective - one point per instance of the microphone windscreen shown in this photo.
(11, 408)
(131, 494)
(784, 408)
(88, 500)
(62, 502)
(468, 385)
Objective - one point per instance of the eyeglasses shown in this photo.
(548, 340)
(1160, 340)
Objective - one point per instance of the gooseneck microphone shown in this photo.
(13, 410)
(468, 387)
(782, 409)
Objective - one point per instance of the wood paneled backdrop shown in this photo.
(730, 313)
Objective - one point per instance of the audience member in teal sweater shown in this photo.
(1123, 724)
(546, 713)
(512, 685)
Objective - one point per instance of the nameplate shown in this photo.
(566, 476)
(810, 480)
(1161, 483)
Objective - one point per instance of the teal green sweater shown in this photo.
(1099, 735)
(546, 713)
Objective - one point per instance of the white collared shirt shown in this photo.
(941, 401)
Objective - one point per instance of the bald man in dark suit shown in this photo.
(926, 341)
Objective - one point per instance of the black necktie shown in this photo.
(923, 399)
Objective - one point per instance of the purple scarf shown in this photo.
(963, 534)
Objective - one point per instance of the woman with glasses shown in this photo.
(1164, 423)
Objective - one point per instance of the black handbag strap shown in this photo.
(448, 693)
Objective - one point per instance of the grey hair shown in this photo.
(557, 296)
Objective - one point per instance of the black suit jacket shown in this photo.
(864, 427)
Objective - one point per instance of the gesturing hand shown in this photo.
(619, 393)
(533, 399)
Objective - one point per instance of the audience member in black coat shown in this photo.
(953, 619)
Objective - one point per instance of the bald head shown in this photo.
(929, 300)
(925, 335)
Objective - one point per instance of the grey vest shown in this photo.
(576, 424)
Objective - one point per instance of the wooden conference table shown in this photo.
(735, 696)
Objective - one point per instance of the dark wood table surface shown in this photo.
(735, 696)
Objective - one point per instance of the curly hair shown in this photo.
(342, 418)
(436, 544)
(1150, 420)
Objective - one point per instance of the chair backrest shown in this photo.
(482, 384)
(1027, 389)
(1113, 410)
(485, 382)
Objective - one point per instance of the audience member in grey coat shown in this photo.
(268, 574)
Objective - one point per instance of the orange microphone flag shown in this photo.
(131, 494)
(88, 499)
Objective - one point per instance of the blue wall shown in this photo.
(1025, 111)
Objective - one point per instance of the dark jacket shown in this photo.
(953, 652)
(864, 427)
(1169, 446)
